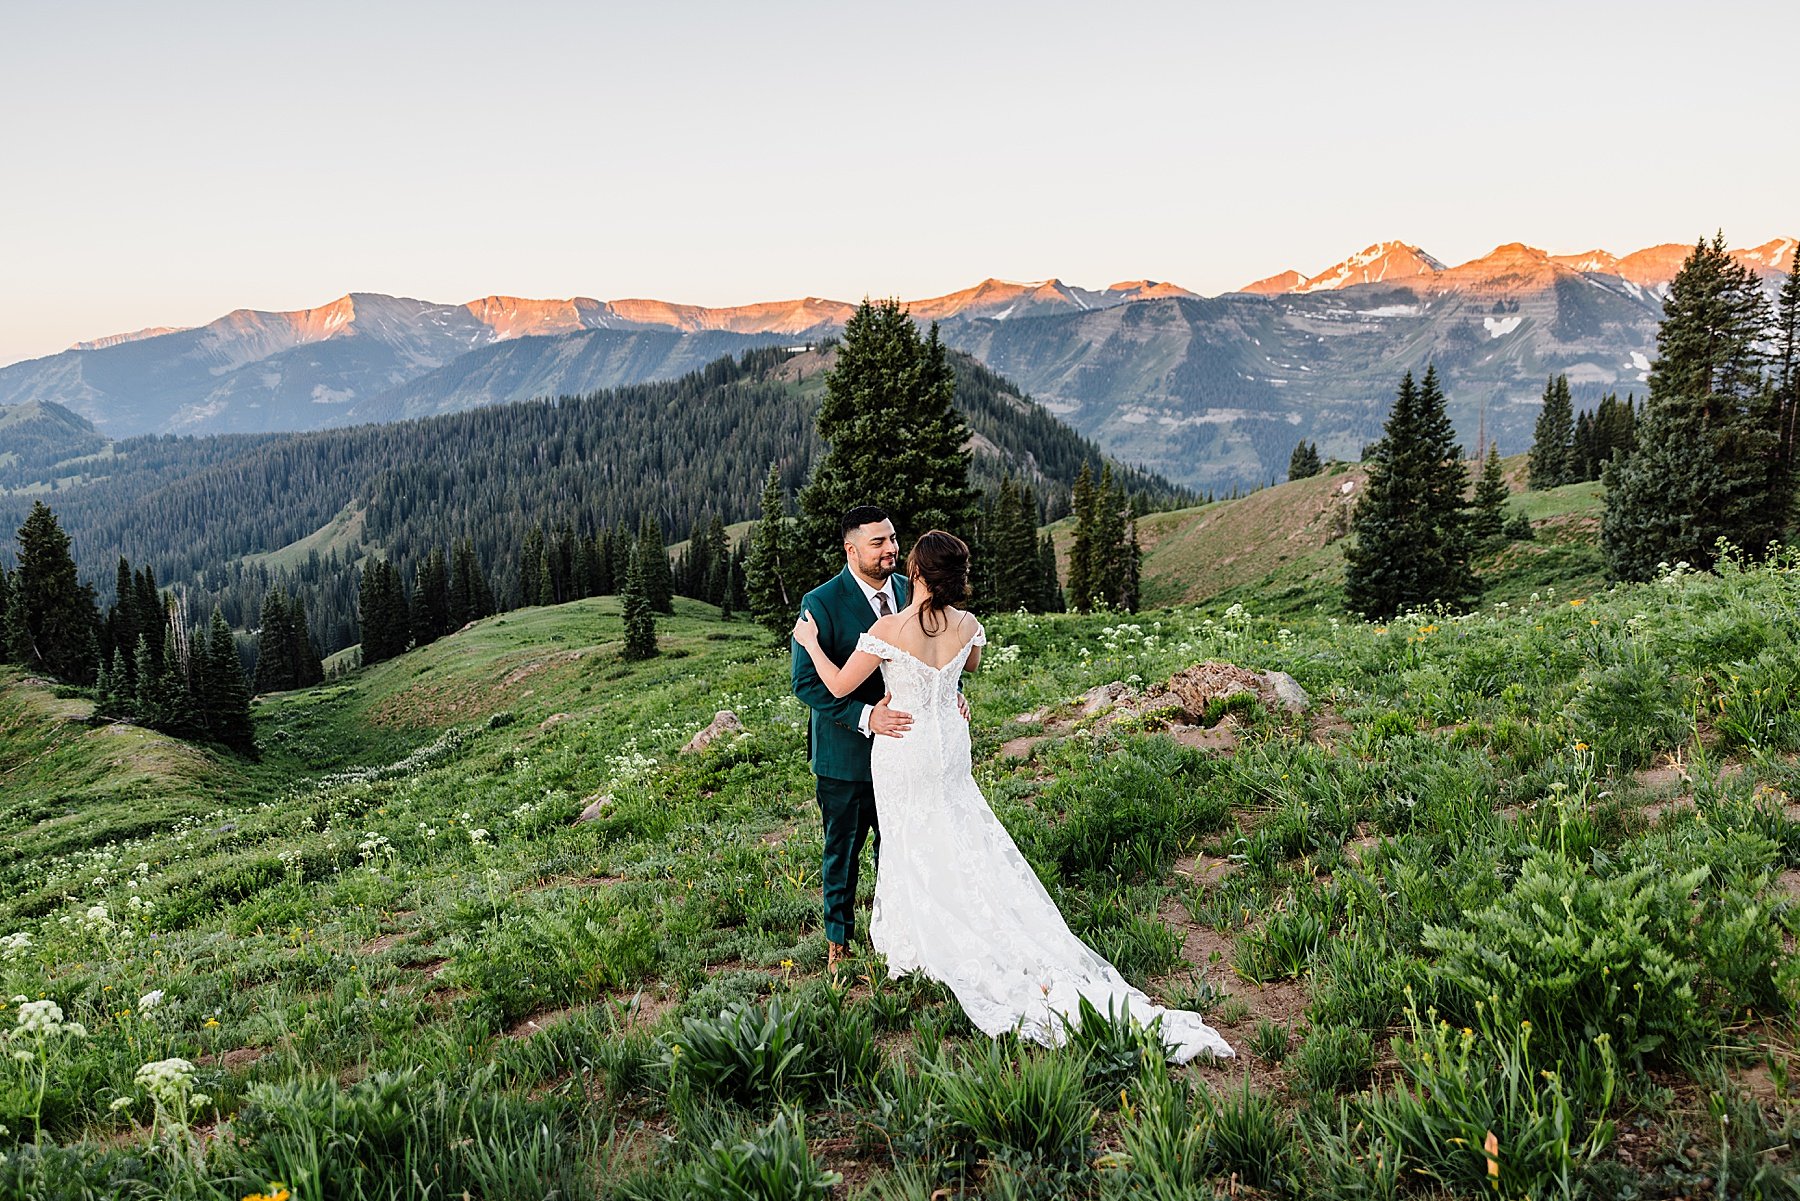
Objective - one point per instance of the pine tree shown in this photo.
(1708, 460)
(1411, 546)
(893, 438)
(651, 557)
(1110, 569)
(1083, 557)
(1050, 595)
(532, 584)
(634, 602)
(302, 651)
(430, 616)
(5, 600)
(383, 611)
(767, 562)
(1305, 462)
(1488, 511)
(226, 702)
(51, 617)
(1787, 369)
(1553, 444)
(1015, 571)
(275, 668)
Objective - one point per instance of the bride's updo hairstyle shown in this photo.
(941, 561)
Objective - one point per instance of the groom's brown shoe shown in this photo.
(835, 951)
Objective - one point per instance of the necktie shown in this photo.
(882, 606)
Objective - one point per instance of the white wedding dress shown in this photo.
(956, 900)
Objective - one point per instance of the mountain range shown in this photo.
(1210, 392)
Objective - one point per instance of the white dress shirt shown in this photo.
(870, 593)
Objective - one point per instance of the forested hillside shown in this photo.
(226, 518)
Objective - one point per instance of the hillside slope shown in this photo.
(392, 932)
(1282, 548)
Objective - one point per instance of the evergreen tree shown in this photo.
(605, 578)
(635, 603)
(1553, 444)
(302, 651)
(122, 628)
(1305, 462)
(651, 558)
(1708, 459)
(893, 435)
(383, 610)
(1083, 560)
(1115, 550)
(276, 670)
(717, 583)
(1412, 546)
(1487, 515)
(5, 599)
(1787, 368)
(1015, 571)
(532, 568)
(430, 616)
(225, 703)
(767, 562)
(1050, 594)
(51, 617)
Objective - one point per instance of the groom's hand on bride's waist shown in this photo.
(892, 722)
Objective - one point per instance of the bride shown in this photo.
(954, 898)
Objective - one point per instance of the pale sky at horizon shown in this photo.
(167, 164)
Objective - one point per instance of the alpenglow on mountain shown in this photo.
(1211, 392)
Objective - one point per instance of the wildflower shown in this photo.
(44, 1018)
(167, 1080)
(14, 945)
(150, 1000)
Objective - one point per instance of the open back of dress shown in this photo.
(956, 900)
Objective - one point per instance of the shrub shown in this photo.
(383, 1135)
(1270, 1042)
(1251, 1137)
(1580, 955)
(1008, 1101)
(772, 1164)
(1116, 1047)
(1334, 1058)
(789, 1048)
(1477, 1112)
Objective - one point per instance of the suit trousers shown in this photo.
(847, 813)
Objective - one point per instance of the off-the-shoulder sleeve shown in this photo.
(872, 645)
(980, 638)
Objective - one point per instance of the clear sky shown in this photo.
(165, 163)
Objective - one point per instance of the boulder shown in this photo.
(1287, 690)
(723, 722)
(1100, 699)
(594, 807)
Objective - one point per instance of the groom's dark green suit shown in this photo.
(839, 750)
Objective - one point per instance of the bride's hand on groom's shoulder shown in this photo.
(806, 630)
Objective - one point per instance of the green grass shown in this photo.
(343, 534)
(1281, 549)
(388, 931)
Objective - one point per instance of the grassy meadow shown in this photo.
(1507, 912)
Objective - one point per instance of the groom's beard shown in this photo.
(879, 567)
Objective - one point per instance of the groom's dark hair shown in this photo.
(860, 516)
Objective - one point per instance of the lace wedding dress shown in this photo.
(956, 900)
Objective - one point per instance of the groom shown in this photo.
(840, 730)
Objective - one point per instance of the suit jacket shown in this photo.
(835, 747)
